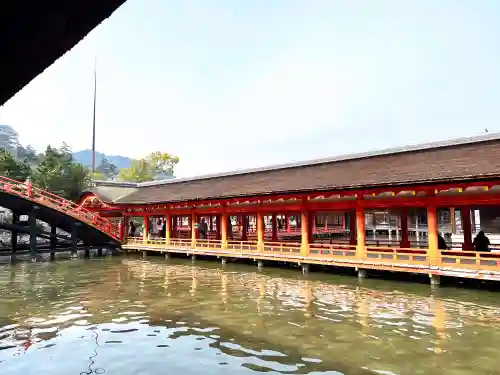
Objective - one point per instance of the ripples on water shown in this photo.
(126, 316)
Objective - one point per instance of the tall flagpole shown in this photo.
(93, 117)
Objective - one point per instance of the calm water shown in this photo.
(126, 316)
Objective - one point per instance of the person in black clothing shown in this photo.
(203, 229)
(442, 243)
(163, 229)
(132, 229)
(481, 242)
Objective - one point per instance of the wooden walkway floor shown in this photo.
(461, 264)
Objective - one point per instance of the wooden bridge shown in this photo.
(29, 205)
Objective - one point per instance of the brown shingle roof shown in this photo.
(469, 158)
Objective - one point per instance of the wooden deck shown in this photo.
(461, 264)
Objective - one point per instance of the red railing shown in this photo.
(47, 199)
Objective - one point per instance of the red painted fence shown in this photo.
(55, 202)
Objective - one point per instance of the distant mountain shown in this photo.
(85, 157)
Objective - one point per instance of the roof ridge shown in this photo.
(451, 142)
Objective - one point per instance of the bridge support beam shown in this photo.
(74, 239)
(33, 233)
(14, 238)
(53, 242)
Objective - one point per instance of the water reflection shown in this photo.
(128, 316)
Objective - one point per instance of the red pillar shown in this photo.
(222, 229)
(126, 227)
(305, 231)
(194, 230)
(174, 227)
(29, 188)
(352, 228)
(244, 227)
(466, 228)
(311, 225)
(168, 228)
(432, 233)
(287, 223)
(405, 242)
(260, 231)
(361, 232)
(275, 228)
(218, 227)
(145, 234)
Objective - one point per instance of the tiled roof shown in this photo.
(459, 159)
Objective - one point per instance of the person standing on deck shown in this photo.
(442, 242)
(203, 230)
(163, 229)
(132, 229)
(481, 242)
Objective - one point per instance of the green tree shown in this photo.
(139, 171)
(97, 176)
(106, 169)
(162, 162)
(58, 173)
(13, 168)
(27, 153)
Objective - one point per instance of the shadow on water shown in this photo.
(234, 344)
(128, 316)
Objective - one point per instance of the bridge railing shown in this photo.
(47, 199)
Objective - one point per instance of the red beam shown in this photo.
(452, 201)
(261, 203)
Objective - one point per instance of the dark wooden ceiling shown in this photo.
(35, 33)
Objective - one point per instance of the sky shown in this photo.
(229, 84)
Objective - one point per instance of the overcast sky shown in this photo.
(230, 84)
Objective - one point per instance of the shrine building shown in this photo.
(382, 210)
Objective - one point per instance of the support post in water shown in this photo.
(74, 239)
(435, 280)
(53, 242)
(224, 261)
(305, 269)
(14, 237)
(144, 254)
(260, 264)
(193, 258)
(362, 274)
(33, 230)
(167, 256)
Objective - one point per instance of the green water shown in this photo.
(127, 316)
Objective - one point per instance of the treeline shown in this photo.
(157, 165)
(56, 171)
(52, 170)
